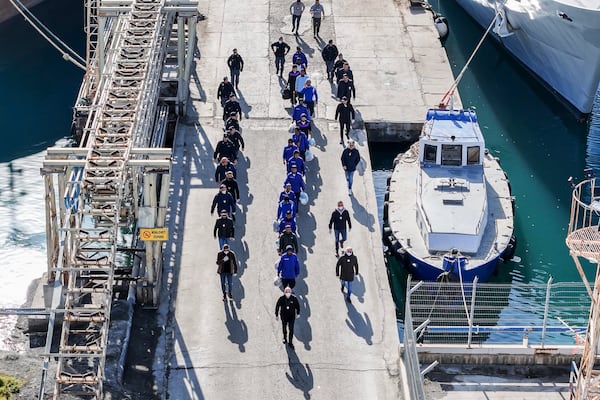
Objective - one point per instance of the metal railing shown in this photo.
(490, 314)
(410, 354)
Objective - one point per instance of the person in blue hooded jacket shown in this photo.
(288, 220)
(284, 206)
(287, 191)
(297, 182)
(289, 267)
(299, 58)
(296, 159)
(288, 151)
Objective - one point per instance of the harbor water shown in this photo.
(537, 140)
(38, 89)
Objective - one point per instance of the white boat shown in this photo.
(557, 40)
(449, 210)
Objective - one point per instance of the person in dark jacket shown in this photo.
(346, 267)
(224, 90)
(340, 219)
(223, 201)
(344, 113)
(339, 63)
(350, 159)
(223, 229)
(232, 121)
(227, 267)
(291, 83)
(304, 125)
(231, 185)
(289, 267)
(329, 53)
(346, 88)
(231, 106)
(289, 308)
(344, 70)
(287, 238)
(225, 148)
(224, 166)
(280, 49)
(236, 138)
(236, 65)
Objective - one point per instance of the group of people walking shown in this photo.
(296, 154)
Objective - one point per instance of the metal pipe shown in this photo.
(546, 307)
(429, 368)
(472, 311)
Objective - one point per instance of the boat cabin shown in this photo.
(451, 190)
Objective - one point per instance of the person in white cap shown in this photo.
(289, 308)
(346, 268)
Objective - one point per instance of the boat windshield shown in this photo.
(473, 155)
(430, 155)
(452, 154)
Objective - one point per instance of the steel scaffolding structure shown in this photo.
(583, 240)
(117, 175)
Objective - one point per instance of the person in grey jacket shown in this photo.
(296, 9)
(346, 267)
(317, 12)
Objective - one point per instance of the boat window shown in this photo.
(430, 153)
(472, 155)
(451, 154)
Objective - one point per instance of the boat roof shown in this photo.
(452, 125)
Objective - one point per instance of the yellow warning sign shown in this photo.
(154, 234)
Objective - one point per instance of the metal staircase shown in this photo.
(103, 184)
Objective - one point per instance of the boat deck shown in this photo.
(402, 212)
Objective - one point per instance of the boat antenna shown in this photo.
(449, 96)
(29, 17)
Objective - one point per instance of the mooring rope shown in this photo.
(73, 57)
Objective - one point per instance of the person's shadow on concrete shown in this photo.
(358, 288)
(361, 327)
(246, 108)
(300, 376)
(320, 138)
(361, 215)
(302, 328)
(238, 331)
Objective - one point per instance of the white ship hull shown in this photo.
(559, 41)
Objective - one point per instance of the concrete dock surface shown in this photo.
(233, 349)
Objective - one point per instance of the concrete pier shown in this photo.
(232, 349)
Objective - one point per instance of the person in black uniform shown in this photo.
(289, 308)
(224, 166)
(280, 49)
(224, 90)
(231, 185)
(225, 148)
(339, 218)
(224, 229)
(236, 65)
(227, 267)
(231, 106)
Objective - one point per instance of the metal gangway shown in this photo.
(583, 240)
(115, 181)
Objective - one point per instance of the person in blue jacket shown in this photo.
(289, 267)
(310, 96)
(299, 58)
(304, 125)
(288, 151)
(301, 140)
(287, 191)
(298, 110)
(296, 159)
(284, 206)
(288, 220)
(297, 182)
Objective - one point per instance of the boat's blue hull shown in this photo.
(421, 270)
